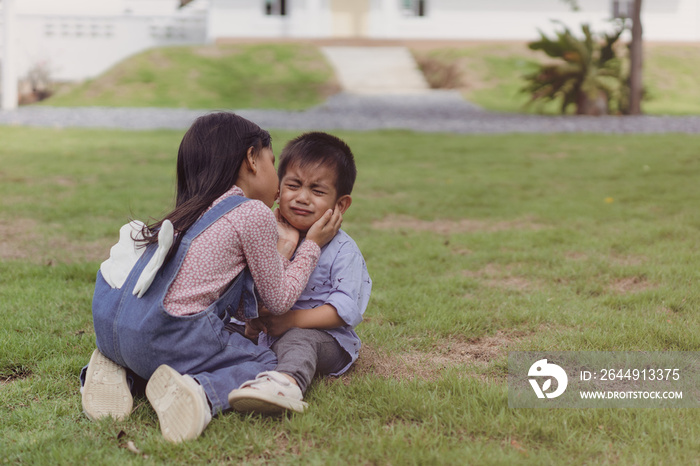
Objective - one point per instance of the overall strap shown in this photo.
(243, 288)
(151, 261)
(212, 215)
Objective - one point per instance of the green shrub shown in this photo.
(589, 72)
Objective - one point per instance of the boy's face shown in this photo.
(307, 193)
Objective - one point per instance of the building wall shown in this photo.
(349, 19)
(670, 20)
(247, 18)
(96, 7)
(502, 20)
(78, 47)
(667, 20)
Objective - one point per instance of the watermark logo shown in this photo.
(542, 368)
(603, 379)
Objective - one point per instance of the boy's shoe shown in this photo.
(180, 402)
(269, 393)
(106, 391)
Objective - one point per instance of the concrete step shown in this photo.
(376, 70)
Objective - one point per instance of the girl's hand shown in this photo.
(253, 329)
(288, 236)
(325, 227)
(276, 326)
(262, 310)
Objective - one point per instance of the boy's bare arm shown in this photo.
(322, 318)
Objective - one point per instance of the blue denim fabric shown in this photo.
(138, 334)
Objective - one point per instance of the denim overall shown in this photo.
(137, 333)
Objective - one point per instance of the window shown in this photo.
(621, 9)
(276, 7)
(413, 7)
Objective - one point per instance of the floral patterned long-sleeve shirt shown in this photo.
(247, 235)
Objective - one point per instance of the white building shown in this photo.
(78, 39)
(663, 20)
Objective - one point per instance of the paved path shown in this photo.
(433, 112)
(376, 70)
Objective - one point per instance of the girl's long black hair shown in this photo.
(208, 162)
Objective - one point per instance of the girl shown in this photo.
(160, 311)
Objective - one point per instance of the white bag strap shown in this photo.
(165, 242)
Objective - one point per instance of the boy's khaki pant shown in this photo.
(303, 353)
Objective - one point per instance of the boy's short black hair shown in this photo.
(321, 148)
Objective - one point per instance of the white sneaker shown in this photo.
(180, 402)
(106, 392)
(269, 393)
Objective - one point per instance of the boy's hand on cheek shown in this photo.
(325, 227)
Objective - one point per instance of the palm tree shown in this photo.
(588, 73)
(636, 89)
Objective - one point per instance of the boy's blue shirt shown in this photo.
(341, 280)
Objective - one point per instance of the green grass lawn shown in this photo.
(287, 76)
(477, 245)
(490, 75)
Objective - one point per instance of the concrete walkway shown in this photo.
(376, 70)
(440, 112)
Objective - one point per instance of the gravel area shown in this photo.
(436, 111)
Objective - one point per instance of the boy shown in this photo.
(317, 172)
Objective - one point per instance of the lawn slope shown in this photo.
(284, 76)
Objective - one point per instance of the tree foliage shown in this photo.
(588, 72)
